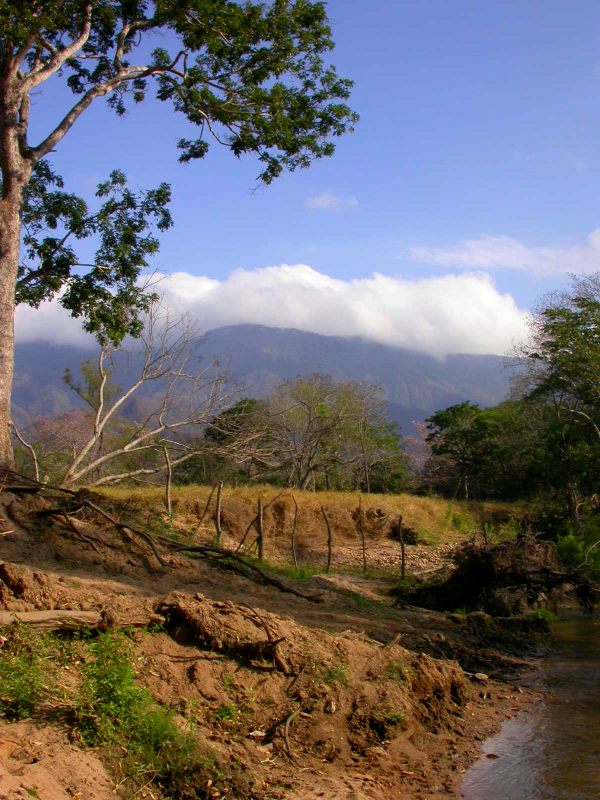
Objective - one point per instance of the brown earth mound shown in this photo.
(345, 698)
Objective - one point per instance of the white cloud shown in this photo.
(50, 323)
(436, 315)
(332, 202)
(503, 252)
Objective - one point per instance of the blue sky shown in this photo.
(477, 150)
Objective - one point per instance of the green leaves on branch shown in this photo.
(105, 293)
(250, 75)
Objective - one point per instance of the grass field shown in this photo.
(435, 520)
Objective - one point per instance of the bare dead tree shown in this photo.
(218, 512)
(29, 447)
(169, 480)
(185, 398)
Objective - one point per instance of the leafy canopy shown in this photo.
(106, 293)
(250, 75)
(565, 343)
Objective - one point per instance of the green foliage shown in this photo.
(547, 443)
(330, 435)
(394, 718)
(544, 615)
(227, 713)
(312, 431)
(570, 550)
(23, 670)
(251, 75)
(299, 573)
(109, 708)
(459, 438)
(407, 585)
(114, 710)
(106, 293)
(334, 674)
(460, 520)
(231, 448)
(564, 358)
(228, 680)
(385, 720)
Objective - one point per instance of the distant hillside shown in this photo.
(415, 385)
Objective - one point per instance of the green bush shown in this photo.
(570, 549)
(336, 675)
(110, 709)
(543, 614)
(25, 670)
(227, 713)
(113, 709)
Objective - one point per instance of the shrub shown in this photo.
(25, 669)
(570, 550)
(114, 710)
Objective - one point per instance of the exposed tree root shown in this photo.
(223, 628)
(65, 509)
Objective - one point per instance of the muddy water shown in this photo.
(551, 752)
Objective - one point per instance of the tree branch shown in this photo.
(58, 58)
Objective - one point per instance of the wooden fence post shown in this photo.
(259, 523)
(201, 518)
(294, 556)
(168, 503)
(402, 553)
(329, 540)
(361, 524)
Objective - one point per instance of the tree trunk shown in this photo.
(10, 229)
(16, 172)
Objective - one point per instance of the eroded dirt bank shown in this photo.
(346, 697)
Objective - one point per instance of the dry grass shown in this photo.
(434, 519)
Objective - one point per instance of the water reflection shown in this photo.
(552, 752)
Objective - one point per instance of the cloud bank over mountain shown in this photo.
(435, 315)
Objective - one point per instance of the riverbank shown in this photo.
(551, 751)
(292, 688)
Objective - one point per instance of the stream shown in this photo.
(551, 751)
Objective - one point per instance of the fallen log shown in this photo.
(72, 619)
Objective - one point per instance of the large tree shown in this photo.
(324, 433)
(563, 354)
(459, 438)
(249, 75)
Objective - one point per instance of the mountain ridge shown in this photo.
(259, 357)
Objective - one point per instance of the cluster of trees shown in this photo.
(251, 76)
(310, 433)
(545, 441)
